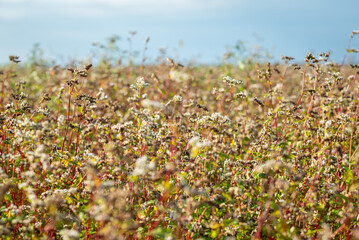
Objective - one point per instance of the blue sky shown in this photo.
(67, 28)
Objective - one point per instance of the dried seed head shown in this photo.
(171, 61)
(132, 33)
(82, 73)
(46, 97)
(310, 58)
(286, 58)
(296, 66)
(87, 67)
(258, 101)
(70, 69)
(14, 59)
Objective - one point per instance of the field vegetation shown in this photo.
(254, 150)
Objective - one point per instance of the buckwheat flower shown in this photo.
(197, 145)
(22, 185)
(101, 95)
(342, 116)
(40, 149)
(68, 234)
(9, 106)
(140, 83)
(231, 81)
(38, 224)
(217, 117)
(328, 81)
(270, 165)
(117, 127)
(133, 99)
(151, 103)
(140, 166)
(43, 111)
(151, 166)
(24, 122)
(93, 105)
(177, 98)
(204, 120)
(240, 95)
(60, 120)
(194, 140)
(128, 124)
(214, 91)
(134, 87)
(178, 76)
(187, 114)
(18, 136)
(28, 174)
(351, 77)
(155, 117)
(328, 124)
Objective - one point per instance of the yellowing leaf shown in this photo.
(214, 233)
(216, 226)
(52, 208)
(77, 196)
(65, 162)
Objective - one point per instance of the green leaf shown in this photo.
(223, 156)
(161, 90)
(349, 177)
(262, 175)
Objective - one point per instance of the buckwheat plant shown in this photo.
(166, 151)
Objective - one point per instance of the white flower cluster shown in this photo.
(60, 120)
(231, 81)
(270, 165)
(151, 103)
(101, 95)
(90, 157)
(177, 98)
(197, 143)
(141, 166)
(179, 76)
(140, 83)
(240, 95)
(336, 76)
(44, 111)
(217, 91)
(69, 234)
(39, 153)
(25, 122)
(118, 126)
(215, 118)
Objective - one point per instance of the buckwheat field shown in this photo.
(256, 150)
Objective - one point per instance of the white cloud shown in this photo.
(126, 2)
(11, 13)
(12, 9)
